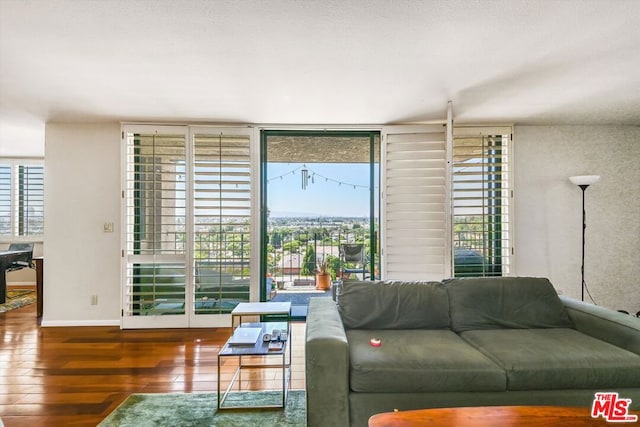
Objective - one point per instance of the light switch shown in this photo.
(108, 227)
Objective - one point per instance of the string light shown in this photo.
(305, 178)
(292, 172)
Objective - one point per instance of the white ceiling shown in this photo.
(316, 62)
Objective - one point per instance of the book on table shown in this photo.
(245, 336)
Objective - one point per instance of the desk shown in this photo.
(39, 261)
(7, 258)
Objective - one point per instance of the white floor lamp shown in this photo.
(583, 181)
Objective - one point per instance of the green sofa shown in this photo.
(462, 342)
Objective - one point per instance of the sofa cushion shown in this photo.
(394, 305)
(537, 359)
(419, 360)
(505, 302)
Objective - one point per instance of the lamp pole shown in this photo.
(584, 229)
(583, 181)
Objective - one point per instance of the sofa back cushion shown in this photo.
(504, 302)
(394, 305)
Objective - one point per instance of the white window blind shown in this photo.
(415, 203)
(29, 206)
(21, 199)
(481, 199)
(5, 200)
(155, 205)
(221, 212)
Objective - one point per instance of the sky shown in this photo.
(330, 190)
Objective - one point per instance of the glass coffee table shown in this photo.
(258, 355)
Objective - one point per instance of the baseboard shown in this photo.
(69, 323)
(21, 285)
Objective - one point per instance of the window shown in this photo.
(156, 223)
(187, 207)
(481, 200)
(21, 199)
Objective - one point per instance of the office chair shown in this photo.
(18, 265)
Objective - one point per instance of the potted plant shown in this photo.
(323, 275)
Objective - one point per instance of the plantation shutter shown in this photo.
(481, 200)
(415, 203)
(22, 199)
(5, 200)
(156, 223)
(29, 206)
(188, 228)
(222, 219)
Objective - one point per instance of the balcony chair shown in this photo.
(354, 253)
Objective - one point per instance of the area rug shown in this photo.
(199, 409)
(17, 298)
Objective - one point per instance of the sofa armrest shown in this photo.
(327, 365)
(605, 324)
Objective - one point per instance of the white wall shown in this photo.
(21, 138)
(82, 172)
(548, 210)
(22, 277)
(82, 167)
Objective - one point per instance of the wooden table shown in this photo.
(492, 416)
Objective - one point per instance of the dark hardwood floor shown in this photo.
(75, 376)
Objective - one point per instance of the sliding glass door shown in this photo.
(320, 204)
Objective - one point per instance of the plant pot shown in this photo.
(323, 281)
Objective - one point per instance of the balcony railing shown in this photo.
(293, 254)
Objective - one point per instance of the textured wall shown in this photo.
(82, 172)
(548, 209)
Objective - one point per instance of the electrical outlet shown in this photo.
(108, 227)
(94, 299)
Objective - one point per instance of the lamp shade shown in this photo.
(584, 179)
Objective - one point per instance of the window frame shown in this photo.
(185, 257)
